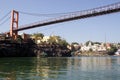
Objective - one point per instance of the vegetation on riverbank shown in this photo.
(28, 48)
(52, 46)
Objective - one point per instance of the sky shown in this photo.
(97, 29)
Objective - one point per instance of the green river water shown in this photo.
(60, 68)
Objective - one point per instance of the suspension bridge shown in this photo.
(103, 10)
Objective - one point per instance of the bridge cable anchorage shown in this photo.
(5, 21)
(45, 15)
(5, 16)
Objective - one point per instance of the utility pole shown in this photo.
(105, 38)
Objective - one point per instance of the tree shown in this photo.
(96, 43)
(19, 39)
(75, 43)
(112, 50)
(87, 43)
(52, 39)
(75, 46)
(37, 35)
(57, 40)
(63, 43)
(91, 50)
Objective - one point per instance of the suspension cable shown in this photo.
(45, 15)
(54, 14)
(4, 16)
(5, 21)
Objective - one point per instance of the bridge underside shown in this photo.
(67, 19)
(73, 16)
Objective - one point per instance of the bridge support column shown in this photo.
(14, 24)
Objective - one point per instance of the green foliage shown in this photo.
(53, 39)
(63, 43)
(19, 39)
(87, 43)
(90, 50)
(57, 40)
(113, 49)
(38, 35)
(118, 43)
(96, 43)
(75, 43)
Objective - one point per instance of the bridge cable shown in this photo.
(57, 14)
(4, 16)
(5, 21)
(45, 15)
(90, 12)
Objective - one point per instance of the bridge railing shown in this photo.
(75, 15)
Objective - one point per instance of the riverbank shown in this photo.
(10, 48)
(79, 53)
(52, 50)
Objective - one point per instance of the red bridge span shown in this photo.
(108, 9)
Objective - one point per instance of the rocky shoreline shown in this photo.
(29, 49)
(52, 50)
(9, 48)
(104, 53)
(15, 49)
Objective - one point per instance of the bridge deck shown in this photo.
(74, 16)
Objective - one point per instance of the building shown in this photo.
(45, 38)
(95, 47)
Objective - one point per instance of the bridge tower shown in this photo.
(14, 24)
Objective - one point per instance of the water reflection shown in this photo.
(11, 67)
(92, 68)
(50, 67)
(95, 63)
(74, 68)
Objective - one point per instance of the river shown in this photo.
(60, 68)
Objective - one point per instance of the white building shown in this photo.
(45, 38)
(94, 47)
